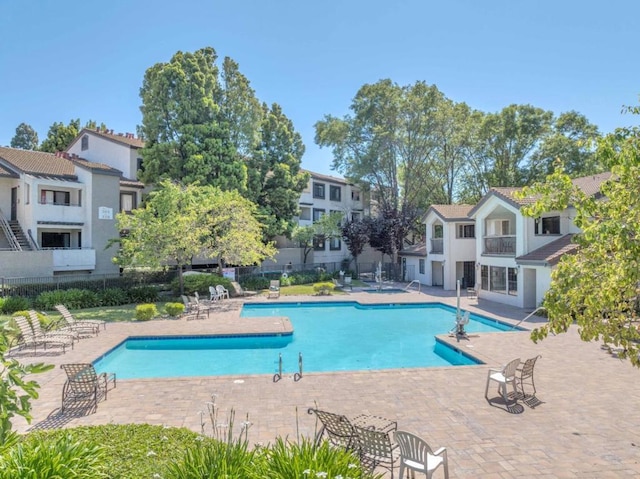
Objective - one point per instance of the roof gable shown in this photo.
(450, 212)
(126, 139)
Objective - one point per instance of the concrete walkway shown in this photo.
(585, 423)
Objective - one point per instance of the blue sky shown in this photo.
(67, 59)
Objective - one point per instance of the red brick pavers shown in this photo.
(586, 425)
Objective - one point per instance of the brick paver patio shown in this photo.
(587, 422)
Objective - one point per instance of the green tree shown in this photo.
(304, 235)
(178, 223)
(60, 136)
(26, 138)
(275, 177)
(186, 137)
(15, 392)
(327, 227)
(573, 140)
(598, 287)
(355, 234)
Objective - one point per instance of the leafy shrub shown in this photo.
(12, 304)
(199, 283)
(323, 288)
(216, 459)
(61, 458)
(145, 312)
(71, 298)
(113, 297)
(174, 309)
(143, 294)
(255, 283)
(131, 450)
(305, 459)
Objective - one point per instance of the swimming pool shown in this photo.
(344, 336)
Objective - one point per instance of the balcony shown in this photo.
(500, 245)
(74, 259)
(60, 213)
(437, 246)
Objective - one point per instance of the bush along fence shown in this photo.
(31, 287)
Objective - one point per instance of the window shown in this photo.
(421, 266)
(466, 231)
(317, 214)
(355, 195)
(484, 277)
(318, 243)
(437, 231)
(139, 164)
(335, 244)
(84, 143)
(56, 240)
(335, 193)
(355, 216)
(51, 197)
(27, 193)
(549, 225)
(498, 279)
(305, 214)
(512, 274)
(127, 202)
(318, 190)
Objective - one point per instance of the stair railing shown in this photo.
(13, 241)
(32, 242)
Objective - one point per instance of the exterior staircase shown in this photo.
(20, 236)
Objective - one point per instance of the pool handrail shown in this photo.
(414, 281)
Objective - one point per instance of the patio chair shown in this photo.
(222, 291)
(85, 386)
(82, 324)
(376, 449)
(213, 294)
(417, 456)
(67, 338)
(524, 375)
(240, 291)
(504, 376)
(274, 288)
(202, 306)
(339, 430)
(28, 337)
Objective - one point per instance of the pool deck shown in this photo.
(585, 422)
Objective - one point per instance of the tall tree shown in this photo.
(60, 136)
(508, 139)
(275, 178)
(388, 142)
(186, 137)
(326, 227)
(26, 138)
(355, 234)
(573, 140)
(599, 286)
(178, 223)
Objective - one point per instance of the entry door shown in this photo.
(469, 274)
(14, 204)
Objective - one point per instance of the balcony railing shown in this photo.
(505, 245)
(437, 246)
(74, 259)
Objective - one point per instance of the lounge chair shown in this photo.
(339, 430)
(83, 324)
(84, 385)
(524, 375)
(202, 306)
(29, 337)
(274, 288)
(240, 291)
(376, 449)
(504, 376)
(222, 292)
(417, 456)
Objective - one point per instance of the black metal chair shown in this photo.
(376, 449)
(524, 376)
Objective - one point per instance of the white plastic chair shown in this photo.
(222, 292)
(504, 376)
(213, 294)
(417, 456)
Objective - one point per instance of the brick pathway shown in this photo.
(587, 422)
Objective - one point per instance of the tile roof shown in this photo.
(451, 212)
(320, 176)
(6, 172)
(37, 162)
(550, 253)
(133, 183)
(419, 249)
(93, 166)
(590, 185)
(128, 139)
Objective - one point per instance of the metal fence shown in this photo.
(364, 271)
(31, 287)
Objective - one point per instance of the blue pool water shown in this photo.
(343, 336)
